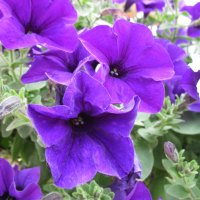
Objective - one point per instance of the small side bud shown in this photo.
(171, 152)
(53, 196)
(9, 105)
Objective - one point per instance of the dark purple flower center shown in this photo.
(81, 123)
(117, 70)
(6, 197)
(19, 188)
(114, 72)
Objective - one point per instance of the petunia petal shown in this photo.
(119, 90)
(189, 82)
(176, 53)
(195, 107)
(139, 192)
(150, 92)
(40, 66)
(101, 43)
(87, 154)
(50, 123)
(17, 7)
(115, 156)
(193, 10)
(194, 31)
(150, 66)
(12, 34)
(120, 123)
(31, 192)
(59, 77)
(83, 88)
(130, 41)
(72, 162)
(48, 12)
(59, 35)
(6, 176)
(25, 177)
(180, 67)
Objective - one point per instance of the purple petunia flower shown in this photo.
(177, 55)
(131, 63)
(194, 11)
(145, 6)
(49, 23)
(189, 84)
(59, 66)
(19, 185)
(85, 135)
(128, 188)
(140, 191)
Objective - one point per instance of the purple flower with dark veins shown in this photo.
(86, 134)
(129, 188)
(131, 63)
(25, 23)
(194, 11)
(177, 56)
(19, 184)
(189, 84)
(59, 66)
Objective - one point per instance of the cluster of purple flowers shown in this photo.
(86, 132)
(145, 6)
(184, 80)
(107, 74)
(194, 29)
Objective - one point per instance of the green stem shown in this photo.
(4, 59)
(176, 21)
(11, 61)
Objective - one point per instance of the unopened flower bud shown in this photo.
(170, 151)
(9, 105)
(53, 196)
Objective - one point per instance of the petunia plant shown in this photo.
(95, 95)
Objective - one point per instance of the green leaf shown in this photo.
(37, 100)
(177, 191)
(54, 196)
(195, 191)
(16, 123)
(190, 126)
(157, 188)
(5, 123)
(27, 151)
(170, 168)
(52, 188)
(17, 146)
(141, 117)
(40, 152)
(92, 191)
(145, 156)
(35, 86)
(24, 131)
